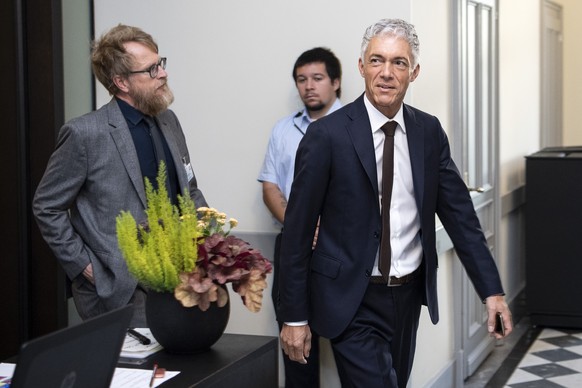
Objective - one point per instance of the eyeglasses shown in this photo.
(153, 69)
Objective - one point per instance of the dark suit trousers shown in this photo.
(89, 304)
(377, 348)
(296, 375)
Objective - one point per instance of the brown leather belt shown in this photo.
(394, 281)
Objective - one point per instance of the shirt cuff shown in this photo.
(301, 323)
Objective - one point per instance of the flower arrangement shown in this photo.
(190, 252)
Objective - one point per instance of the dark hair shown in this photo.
(325, 56)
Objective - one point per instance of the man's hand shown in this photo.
(315, 236)
(496, 304)
(296, 342)
(88, 273)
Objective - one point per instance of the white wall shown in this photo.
(572, 13)
(76, 63)
(519, 79)
(519, 123)
(229, 66)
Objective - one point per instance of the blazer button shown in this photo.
(368, 273)
(376, 235)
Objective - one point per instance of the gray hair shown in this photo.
(396, 27)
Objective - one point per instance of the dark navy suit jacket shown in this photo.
(336, 182)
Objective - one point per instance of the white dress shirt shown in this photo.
(404, 217)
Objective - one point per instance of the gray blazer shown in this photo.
(90, 178)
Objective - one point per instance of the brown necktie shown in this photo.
(387, 179)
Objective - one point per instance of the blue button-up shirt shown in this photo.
(279, 164)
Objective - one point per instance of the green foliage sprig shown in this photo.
(158, 250)
(189, 251)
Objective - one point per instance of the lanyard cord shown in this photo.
(299, 129)
(295, 125)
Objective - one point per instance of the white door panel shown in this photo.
(475, 150)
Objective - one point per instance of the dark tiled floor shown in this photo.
(539, 357)
(553, 360)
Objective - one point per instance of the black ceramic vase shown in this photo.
(184, 330)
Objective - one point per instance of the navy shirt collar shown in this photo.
(132, 115)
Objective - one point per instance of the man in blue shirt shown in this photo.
(317, 75)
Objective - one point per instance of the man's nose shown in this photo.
(162, 72)
(387, 70)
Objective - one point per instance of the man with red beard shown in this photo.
(99, 166)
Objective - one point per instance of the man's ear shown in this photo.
(121, 83)
(361, 66)
(415, 73)
(336, 84)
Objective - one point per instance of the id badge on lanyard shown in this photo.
(188, 168)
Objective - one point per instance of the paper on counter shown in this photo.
(131, 378)
(132, 348)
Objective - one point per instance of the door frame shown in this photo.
(551, 114)
(472, 341)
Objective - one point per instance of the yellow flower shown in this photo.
(189, 251)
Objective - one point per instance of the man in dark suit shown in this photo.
(98, 170)
(371, 312)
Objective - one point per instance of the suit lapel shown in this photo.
(169, 135)
(415, 139)
(126, 148)
(361, 134)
